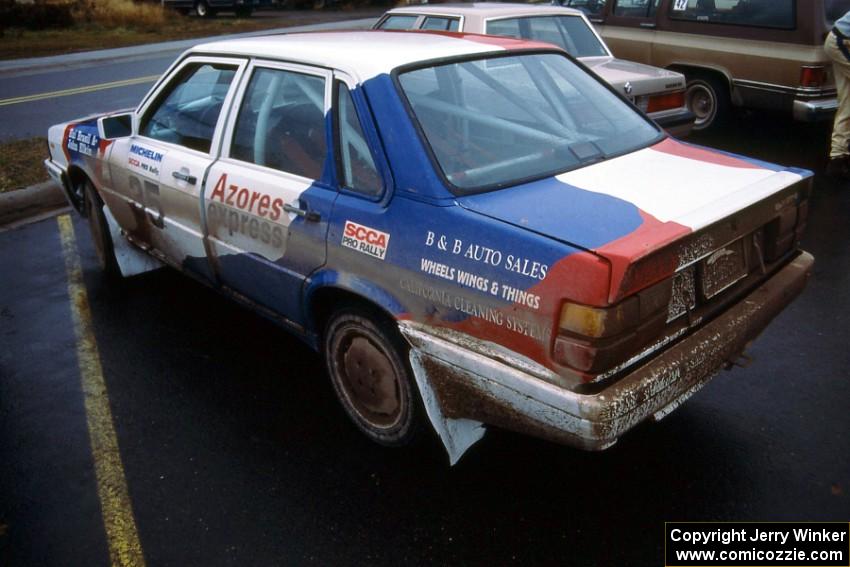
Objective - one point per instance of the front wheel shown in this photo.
(367, 363)
(708, 98)
(100, 234)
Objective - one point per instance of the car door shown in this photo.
(268, 199)
(160, 170)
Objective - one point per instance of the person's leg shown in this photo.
(839, 153)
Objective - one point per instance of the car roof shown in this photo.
(486, 9)
(365, 54)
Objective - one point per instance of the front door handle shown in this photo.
(190, 179)
(311, 216)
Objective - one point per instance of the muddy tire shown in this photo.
(100, 234)
(368, 366)
(708, 98)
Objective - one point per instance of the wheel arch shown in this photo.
(328, 292)
(703, 69)
(77, 176)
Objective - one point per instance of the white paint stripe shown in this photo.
(672, 188)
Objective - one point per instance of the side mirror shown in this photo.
(115, 126)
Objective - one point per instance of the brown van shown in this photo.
(762, 54)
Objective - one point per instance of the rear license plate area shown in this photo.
(723, 269)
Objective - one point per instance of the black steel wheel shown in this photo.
(367, 363)
(100, 234)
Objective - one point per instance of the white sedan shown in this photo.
(658, 92)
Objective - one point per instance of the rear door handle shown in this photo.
(190, 179)
(311, 216)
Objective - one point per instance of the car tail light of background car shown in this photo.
(812, 77)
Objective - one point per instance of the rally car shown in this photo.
(473, 230)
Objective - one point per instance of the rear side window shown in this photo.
(440, 23)
(281, 123)
(355, 160)
(636, 8)
(757, 13)
(589, 7)
(570, 33)
(398, 23)
(186, 113)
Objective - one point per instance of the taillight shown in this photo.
(812, 76)
(594, 339)
(667, 101)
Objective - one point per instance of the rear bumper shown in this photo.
(815, 110)
(492, 390)
(678, 122)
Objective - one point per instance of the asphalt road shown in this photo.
(94, 75)
(235, 452)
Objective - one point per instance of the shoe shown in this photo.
(839, 167)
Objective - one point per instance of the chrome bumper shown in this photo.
(470, 387)
(815, 110)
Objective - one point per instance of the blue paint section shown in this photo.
(413, 172)
(82, 141)
(560, 211)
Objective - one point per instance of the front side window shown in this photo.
(497, 122)
(281, 123)
(440, 23)
(358, 168)
(760, 13)
(398, 22)
(187, 112)
(571, 33)
(636, 8)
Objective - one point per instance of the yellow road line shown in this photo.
(116, 509)
(78, 90)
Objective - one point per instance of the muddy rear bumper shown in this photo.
(469, 385)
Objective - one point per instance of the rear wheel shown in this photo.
(708, 98)
(367, 363)
(101, 236)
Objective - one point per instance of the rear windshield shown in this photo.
(835, 9)
(570, 33)
(497, 122)
(758, 13)
(398, 22)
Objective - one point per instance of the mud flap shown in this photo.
(457, 435)
(131, 260)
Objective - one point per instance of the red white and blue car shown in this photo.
(472, 229)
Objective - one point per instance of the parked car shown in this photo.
(209, 8)
(760, 54)
(658, 92)
(472, 230)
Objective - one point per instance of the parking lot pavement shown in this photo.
(234, 451)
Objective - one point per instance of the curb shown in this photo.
(34, 201)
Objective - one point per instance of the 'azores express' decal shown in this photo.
(247, 212)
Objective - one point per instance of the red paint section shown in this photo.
(508, 43)
(676, 148)
(651, 236)
(65, 151)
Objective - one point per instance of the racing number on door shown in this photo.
(147, 194)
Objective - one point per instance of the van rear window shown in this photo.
(757, 13)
